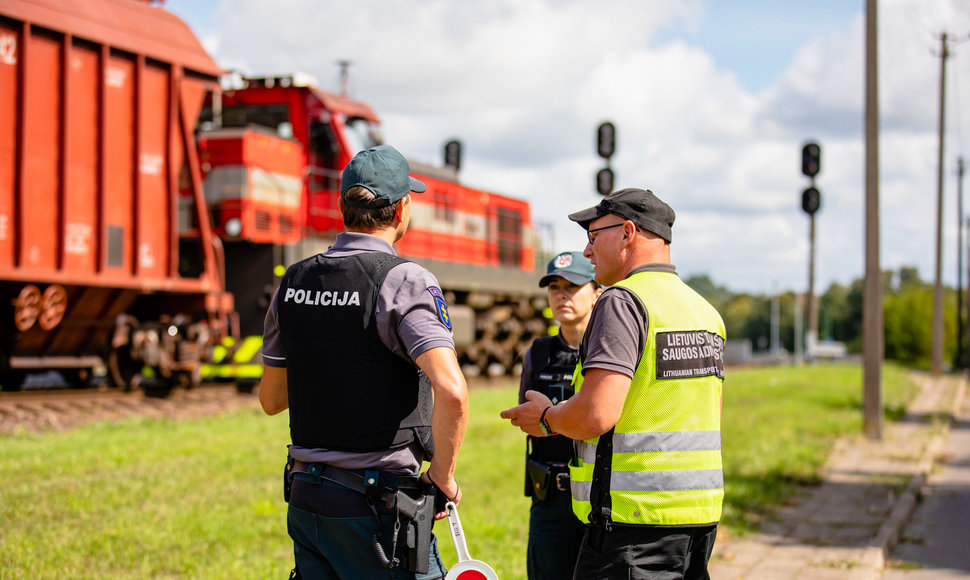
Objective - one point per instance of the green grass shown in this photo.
(779, 423)
(202, 498)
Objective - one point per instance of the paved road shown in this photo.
(936, 542)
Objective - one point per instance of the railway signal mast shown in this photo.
(811, 200)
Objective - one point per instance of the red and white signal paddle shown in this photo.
(466, 568)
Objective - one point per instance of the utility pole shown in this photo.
(938, 285)
(872, 322)
(960, 361)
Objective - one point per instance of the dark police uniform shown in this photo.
(555, 534)
(347, 325)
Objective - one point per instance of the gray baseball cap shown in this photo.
(640, 206)
(384, 172)
(572, 266)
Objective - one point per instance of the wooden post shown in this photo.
(872, 323)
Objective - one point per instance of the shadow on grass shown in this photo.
(749, 500)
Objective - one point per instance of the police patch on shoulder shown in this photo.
(442, 307)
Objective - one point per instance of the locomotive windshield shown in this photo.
(361, 134)
(274, 117)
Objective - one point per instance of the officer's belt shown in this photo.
(367, 482)
(414, 510)
(546, 478)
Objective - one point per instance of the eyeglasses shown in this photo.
(589, 233)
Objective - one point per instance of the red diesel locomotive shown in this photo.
(145, 211)
(273, 149)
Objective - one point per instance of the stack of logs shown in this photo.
(505, 327)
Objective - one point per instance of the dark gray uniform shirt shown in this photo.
(409, 324)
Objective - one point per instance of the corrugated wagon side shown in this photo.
(106, 251)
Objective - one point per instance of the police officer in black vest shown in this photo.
(356, 341)
(555, 533)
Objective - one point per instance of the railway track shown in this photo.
(63, 409)
(60, 409)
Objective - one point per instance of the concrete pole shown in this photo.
(872, 323)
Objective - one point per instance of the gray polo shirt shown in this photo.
(409, 323)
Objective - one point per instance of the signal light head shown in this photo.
(606, 140)
(811, 159)
(811, 200)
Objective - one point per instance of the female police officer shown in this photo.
(554, 532)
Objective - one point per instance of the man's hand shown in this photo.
(526, 416)
(448, 488)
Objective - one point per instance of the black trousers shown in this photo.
(646, 552)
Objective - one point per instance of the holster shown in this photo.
(415, 508)
(287, 479)
(546, 478)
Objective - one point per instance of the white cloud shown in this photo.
(524, 83)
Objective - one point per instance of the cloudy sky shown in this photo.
(712, 100)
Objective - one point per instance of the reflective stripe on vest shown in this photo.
(665, 466)
(655, 442)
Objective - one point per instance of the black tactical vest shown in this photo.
(552, 375)
(347, 391)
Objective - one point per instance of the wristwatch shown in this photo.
(543, 424)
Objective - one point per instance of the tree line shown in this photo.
(907, 316)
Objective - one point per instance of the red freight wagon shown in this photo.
(101, 259)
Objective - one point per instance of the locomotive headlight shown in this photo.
(173, 330)
(233, 226)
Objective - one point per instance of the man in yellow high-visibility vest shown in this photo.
(646, 416)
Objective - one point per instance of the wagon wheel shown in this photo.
(123, 369)
(53, 304)
(26, 308)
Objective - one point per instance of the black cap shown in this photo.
(640, 206)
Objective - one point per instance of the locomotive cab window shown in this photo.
(274, 117)
(324, 152)
(361, 134)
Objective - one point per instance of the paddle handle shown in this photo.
(457, 536)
